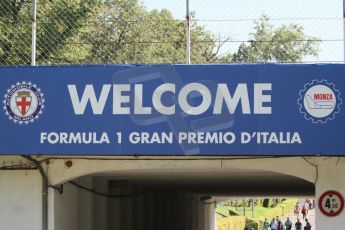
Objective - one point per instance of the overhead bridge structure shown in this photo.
(152, 193)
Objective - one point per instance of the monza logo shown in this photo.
(319, 101)
(23, 103)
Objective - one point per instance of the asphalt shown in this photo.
(310, 216)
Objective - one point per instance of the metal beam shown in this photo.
(188, 32)
(33, 28)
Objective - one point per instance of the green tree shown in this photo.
(97, 31)
(287, 43)
(58, 21)
(126, 32)
(15, 32)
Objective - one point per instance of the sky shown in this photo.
(235, 19)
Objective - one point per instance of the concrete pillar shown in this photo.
(201, 215)
(66, 208)
(182, 211)
(331, 176)
(73, 209)
(149, 209)
(114, 211)
(85, 205)
(51, 209)
(138, 209)
(157, 199)
(189, 214)
(100, 204)
(196, 212)
(209, 214)
(126, 211)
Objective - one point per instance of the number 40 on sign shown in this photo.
(331, 203)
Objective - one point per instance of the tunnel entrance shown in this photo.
(183, 199)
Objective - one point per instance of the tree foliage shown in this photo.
(127, 32)
(287, 43)
(14, 24)
(124, 31)
(58, 20)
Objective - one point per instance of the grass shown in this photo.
(259, 212)
(223, 211)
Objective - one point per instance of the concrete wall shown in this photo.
(294, 166)
(331, 176)
(153, 210)
(66, 209)
(100, 206)
(73, 209)
(20, 200)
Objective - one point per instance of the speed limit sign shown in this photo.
(331, 203)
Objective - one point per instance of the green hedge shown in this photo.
(266, 203)
(270, 203)
(233, 213)
(251, 224)
(287, 207)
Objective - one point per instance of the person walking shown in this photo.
(298, 225)
(288, 224)
(307, 225)
(296, 210)
(280, 225)
(304, 212)
(274, 224)
(306, 205)
(266, 224)
(311, 204)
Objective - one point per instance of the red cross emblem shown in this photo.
(23, 102)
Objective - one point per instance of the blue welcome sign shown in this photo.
(256, 109)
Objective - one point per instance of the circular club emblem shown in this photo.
(331, 203)
(23, 103)
(319, 101)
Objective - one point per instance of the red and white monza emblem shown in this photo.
(331, 203)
